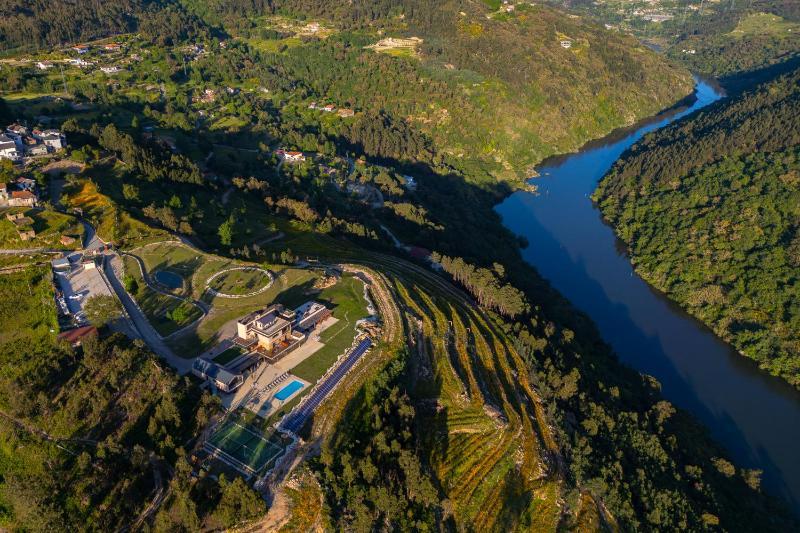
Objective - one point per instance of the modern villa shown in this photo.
(269, 332)
(275, 331)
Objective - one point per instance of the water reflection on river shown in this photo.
(755, 416)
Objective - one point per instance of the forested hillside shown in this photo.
(499, 81)
(723, 39)
(35, 24)
(485, 85)
(710, 208)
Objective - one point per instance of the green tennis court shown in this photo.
(246, 445)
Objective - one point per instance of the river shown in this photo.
(755, 416)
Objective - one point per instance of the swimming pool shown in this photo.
(288, 390)
(169, 279)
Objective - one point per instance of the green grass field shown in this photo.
(346, 298)
(238, 282)
(225, 310)
(161, 310)
(48, 225)
(765, 24)
(228, 355)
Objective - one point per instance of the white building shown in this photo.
(53, 139)
(110, 70)
(8, 149)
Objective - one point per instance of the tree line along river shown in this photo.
(754, 415)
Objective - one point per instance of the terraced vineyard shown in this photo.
(483, 430)
(487, 443)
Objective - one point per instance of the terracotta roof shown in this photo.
(23, 195)
(74, 336)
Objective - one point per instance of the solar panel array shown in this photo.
(297, 419)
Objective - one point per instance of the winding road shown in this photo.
(112, 263)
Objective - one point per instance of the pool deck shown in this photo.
(263, 401)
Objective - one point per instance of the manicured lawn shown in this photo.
(347, 300)
(228, 355)
(162, 311)
(240, 282)
(224, 310)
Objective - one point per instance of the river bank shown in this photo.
(578, 253)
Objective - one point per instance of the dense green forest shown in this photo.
(710, 208)
(32, 25)
(88, 433)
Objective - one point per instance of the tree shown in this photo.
(238, 503)
(102, 309)
(225, 232)
(131, 285)
(130, 192)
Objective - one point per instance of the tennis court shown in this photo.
(249, 450)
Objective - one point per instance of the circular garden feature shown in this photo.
(239, 282)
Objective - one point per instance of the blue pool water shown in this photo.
(169, 279)
(288, 390)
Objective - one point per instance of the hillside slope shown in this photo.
(711, 210)
(500, 88)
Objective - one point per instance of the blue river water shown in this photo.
(755, 416)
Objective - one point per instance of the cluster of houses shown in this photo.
(330, 108)
(17, 142)
(20, 193)
(268, 335)
(82, 49)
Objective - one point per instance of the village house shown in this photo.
(36, 150)
(44, 65)
(110, 70)
(26, 234)
(345, 113)
(66, 240)
(23, 199)
(206, 97)
(25, 184)
(309, 315)
(265, 329)
(54, 140)
(112, 47)
(8, 148)
(19, 219)
(270, 333)
(17, 133)
(80, 62)
(81, 48)
(330, 108)
(290, 157)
